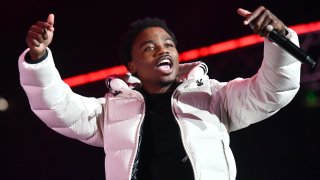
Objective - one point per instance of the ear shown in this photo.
(132, 67)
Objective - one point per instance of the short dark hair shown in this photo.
(134, 29)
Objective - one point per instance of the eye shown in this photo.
(149, 48)
(167, 45)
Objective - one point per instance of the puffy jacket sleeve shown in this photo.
(247, 101)
(57, 106)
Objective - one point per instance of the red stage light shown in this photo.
(190, 55)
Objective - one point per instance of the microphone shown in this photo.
(289, 46)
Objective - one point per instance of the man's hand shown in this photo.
(260, 18)
(39, 37)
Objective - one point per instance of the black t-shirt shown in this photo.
(162, 155)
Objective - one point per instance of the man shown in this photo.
(176, 125)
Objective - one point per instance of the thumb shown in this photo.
(50, 19)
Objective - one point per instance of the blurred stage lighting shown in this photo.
(4, 105)
(189, 55)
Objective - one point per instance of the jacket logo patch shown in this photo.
(199, 82)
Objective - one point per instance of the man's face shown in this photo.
(154, 57)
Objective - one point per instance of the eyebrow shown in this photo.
(153, 42)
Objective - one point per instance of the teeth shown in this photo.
(165, 61)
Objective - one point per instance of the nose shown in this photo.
(161, 50)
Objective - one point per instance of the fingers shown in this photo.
(260, 23)
(48, 24)
(32, 42)
(39, 32)
(36, 35)
(45, 34)
(243, 13)
(45, 25)
(254, 15)
(259, 19)
(39, 37)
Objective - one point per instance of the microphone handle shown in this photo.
(290, 47)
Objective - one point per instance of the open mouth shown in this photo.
(164, 63)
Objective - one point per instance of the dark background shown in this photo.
(285, 146)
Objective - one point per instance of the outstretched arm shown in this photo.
(247, 101)
(50, 98)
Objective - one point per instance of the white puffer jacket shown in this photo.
(205, 112)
